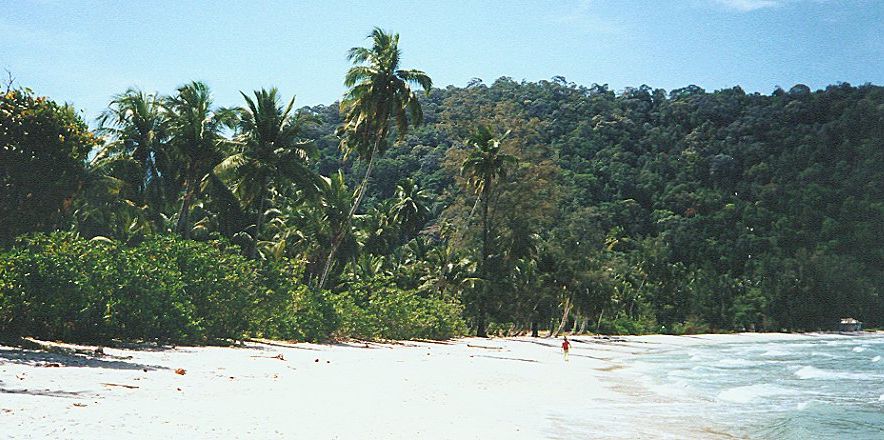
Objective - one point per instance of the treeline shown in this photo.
(501, 208)
(653, 211)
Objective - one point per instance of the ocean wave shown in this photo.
(737, 362)
(808, 372)
(749, 393)
(876, 358)
(775, 353)
(823, 354)
(859, 349)
(801, 406)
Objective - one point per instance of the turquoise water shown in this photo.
(828, 386)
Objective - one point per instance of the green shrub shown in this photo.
(380, 310)
(218, 283)
(690, 327)
(287, 309)
(45, 291)
(626, 326)
(60, 286)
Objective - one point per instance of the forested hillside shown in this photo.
(507, 207)
(723, 208)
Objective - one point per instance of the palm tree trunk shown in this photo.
(566, 306)
(184, 213)
(258, 223)
(339, 236)
(481, 331)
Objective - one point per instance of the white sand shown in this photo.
(470, 388)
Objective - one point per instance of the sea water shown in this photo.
(824, 386)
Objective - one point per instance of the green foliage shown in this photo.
(287, 309)
(60, 286)
(625, 212)
(377, 309)
(43, 148)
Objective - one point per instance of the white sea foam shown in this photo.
(823, 354)
(881, 399)
(775, 353)
(736, 362)
(749, 393)
(859, 349)
(808, 372)
(876, 358)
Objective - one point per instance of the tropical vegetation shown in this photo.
(487, 209)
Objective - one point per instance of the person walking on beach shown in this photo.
(566, 345)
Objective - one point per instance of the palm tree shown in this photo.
(273, 154)
(137, 131)
(196, 135)
(379, 91)
(410, 208)
(485, 164)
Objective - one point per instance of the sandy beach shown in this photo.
(467, 388)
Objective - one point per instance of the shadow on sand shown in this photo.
(20, 356)
(46, 393)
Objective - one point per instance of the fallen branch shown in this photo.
(482, 346)
(119, 385)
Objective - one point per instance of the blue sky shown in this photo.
(83, 52)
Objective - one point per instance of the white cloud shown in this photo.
(585, 17)
(749, 5)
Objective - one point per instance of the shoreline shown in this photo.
(517, 387)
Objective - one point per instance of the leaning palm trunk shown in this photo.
(258, 223)
(339, 236)
(184, 213)
(567, 306)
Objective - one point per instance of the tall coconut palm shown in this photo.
(273, 153)
(137, 130)
(485, 164)
(379, 92)
(411, 207)
(195, 128)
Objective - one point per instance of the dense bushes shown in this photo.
(61, 286)
(379, 309)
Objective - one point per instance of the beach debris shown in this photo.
(119, 385)
(179, 389)
(485, 347)
(180, 371)
(51, 365)
(278, 356)
(80, 405)
(98, 351)
(6, 410)
(317, 360)
(144, 370)
(21, 376)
